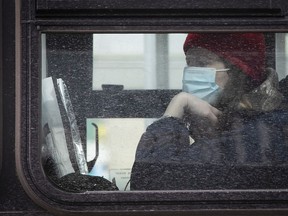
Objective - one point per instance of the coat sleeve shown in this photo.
(166, 160)
(164, 142)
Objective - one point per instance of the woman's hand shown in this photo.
(187, 102)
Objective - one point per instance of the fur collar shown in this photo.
(265, 97)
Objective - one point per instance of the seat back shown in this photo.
(62, 151)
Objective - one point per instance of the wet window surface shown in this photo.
(164, 111)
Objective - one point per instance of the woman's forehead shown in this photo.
(201, 57)
(217, 65)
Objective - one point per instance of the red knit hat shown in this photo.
(245, 50)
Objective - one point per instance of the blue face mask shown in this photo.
(200, 81)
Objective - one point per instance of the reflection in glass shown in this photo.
(118, 138)
(145, 114)
(138, 61)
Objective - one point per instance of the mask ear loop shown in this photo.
(223, 70)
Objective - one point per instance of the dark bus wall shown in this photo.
(13, 199)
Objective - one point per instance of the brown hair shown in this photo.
(238, 85)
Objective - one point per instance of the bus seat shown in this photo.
(63, 157)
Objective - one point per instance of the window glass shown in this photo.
(138, 61)
(115, 160)
(165, 111)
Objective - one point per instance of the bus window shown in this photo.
(148, 62)
(151, 61)
(207, 108)
(152, 107)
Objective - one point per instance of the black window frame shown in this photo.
(1, 72)
(34, 20)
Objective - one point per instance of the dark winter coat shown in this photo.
(251, 153)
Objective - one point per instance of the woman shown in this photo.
(221, 125)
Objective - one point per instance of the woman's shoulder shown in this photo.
(257, 123)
